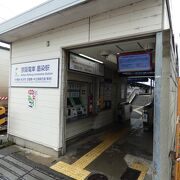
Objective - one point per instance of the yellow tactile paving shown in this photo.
(140, 167)
(76, 170)
(71, 171)
(98, 150)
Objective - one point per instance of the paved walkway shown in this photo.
(104, 153)
(13, 167)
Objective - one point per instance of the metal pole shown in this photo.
(157, 106)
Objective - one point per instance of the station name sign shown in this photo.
(81, 64)
(43, 73)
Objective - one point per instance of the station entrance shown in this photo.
(110, 110)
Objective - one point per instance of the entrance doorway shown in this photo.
(109, 108)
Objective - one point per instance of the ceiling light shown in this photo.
(91, 58)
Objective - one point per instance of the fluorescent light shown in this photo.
(91, 58)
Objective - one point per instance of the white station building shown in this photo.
(65, 79)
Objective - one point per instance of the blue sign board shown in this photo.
(134, 62)
(134, 80)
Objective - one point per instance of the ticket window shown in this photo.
(77, 99)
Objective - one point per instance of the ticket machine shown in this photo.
(71, 111)
(77, 100)
(81, 110)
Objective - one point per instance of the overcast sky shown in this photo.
(11, 8)
(175, 17)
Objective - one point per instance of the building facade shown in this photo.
(49, 31)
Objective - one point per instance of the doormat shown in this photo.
(130, 174)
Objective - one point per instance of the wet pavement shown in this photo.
(21, 164)
(114, 163)
(137, 144)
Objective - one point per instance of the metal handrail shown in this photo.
(132, 95)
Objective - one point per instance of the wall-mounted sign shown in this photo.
(135, 61)
(32, 98)
(81, 64)
(42, 73)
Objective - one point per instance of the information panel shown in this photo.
(135, 80)
(42, 73)
(134, 62)
(81, 64)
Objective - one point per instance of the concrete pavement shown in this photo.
(16, 167)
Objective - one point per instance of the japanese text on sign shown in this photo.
(35, 74)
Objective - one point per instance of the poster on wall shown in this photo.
(81, 64)
(32, 98)
(43, 73)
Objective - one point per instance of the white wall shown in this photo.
(144, 16)
(77, 127)
(42, 124)
(4, 72)
(169, 128)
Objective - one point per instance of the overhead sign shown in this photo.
(81, 64)
(134, 80)
(42, 73)
(133, 62)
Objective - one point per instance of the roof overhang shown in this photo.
(53, 14)
(4, 48)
